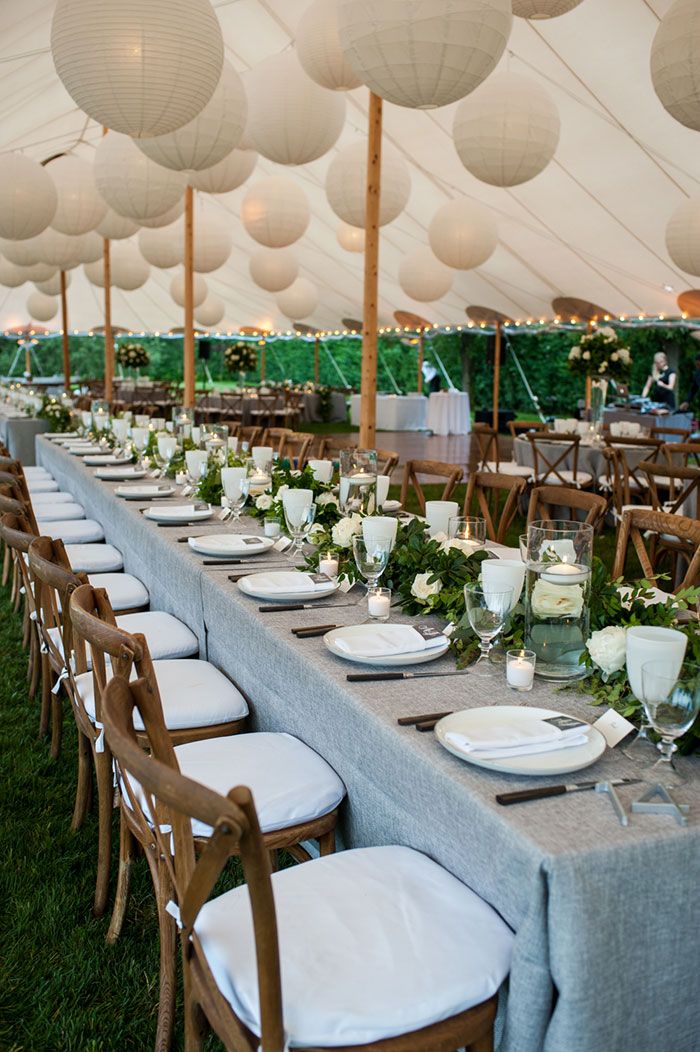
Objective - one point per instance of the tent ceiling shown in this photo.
(590, 226)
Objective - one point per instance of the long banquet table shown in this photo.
(607, 918)
(18, 433)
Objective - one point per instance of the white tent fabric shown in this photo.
(592, 225)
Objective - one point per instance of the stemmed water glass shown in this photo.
(236, 489)
(167, 446)
(299, 515)
(371, 559)
(487, 610)
(196, 461)
(139, 437)
(671, 704)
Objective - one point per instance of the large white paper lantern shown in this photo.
(23, 253)
(346, 184)
(299, 300)
(11, 276)
(210, 312)
(351, 238)
(534, 9)
(128, 269)
(423, 53)
(52, 286)
(41, 307)
(212, 134)
(80, 207)
(132, 184)
(28, 197)
(213, 238)
(274, 269)
(291, 120)
(227, 175)
(37, 272)
(319, 50)
(141, 67)
(66, 251)
(164, 247)
(115, 227)
(675, 62)
(462, 234)
(423, 277)
(95, 273)
(199, 290)
(275, 211)
(683, 236)
(165, 218)
(507, 131)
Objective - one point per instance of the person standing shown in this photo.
(662, 382)
(693, 398)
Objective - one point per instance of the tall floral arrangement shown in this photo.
(132, 356)
(240, 358)
(601, 355)
(56, 414)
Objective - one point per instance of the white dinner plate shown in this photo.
(230, 545)
(178, 514)
(60, 436)
(418, 657)
(147, 492)
(559, 761)
(86, 451)
(103, 460)
(248, 587)
(120, 474)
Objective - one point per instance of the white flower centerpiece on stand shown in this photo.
(600, 356)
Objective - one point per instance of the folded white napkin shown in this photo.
(386, 640)
(505, 753)
(273, 583)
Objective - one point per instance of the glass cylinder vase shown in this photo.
(557, 596)
(599, 394)
(358, 481)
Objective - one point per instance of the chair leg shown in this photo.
(83, 789)
(26, 627)
(105, 801)
(35, 665)
(56, 703)
(194, 1017)
(168, 951)
(121, 896)
(45, 696)
(15, 595)
(326, 843)
(484, 1044)
(6, 563)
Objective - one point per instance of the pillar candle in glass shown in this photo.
(520, 669)
(358, 481)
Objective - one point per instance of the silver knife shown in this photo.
(558, 790)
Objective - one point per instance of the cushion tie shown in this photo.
(174, 910)
(57, 685)
(100, 740)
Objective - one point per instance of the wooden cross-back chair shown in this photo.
(232, 405)
(16, 481)
(266, 409)
(250, 434)
(295, 447)
(545, 499)
(172, 802)
(520, 427)
(331, 446)
(488, 489)
(452, 474)
(624, 477)
(639, 524)
(16, 535)
(660, 432)
(680, 487)
(551, 450)
(681, 454)
(272, 436)
(488, 454)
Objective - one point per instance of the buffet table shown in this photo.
(606, 918)
(18, 433)
(395, 412)
(449, 413)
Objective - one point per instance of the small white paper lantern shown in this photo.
(141, 68)
(164, 247)
(213, 238)
(41, 307)
(66, 251)
(534, 9)
(28, 197)
(80, 207)
(199, 290)
(291, 120)
(423, 277)
(210, 312)
(275, 211)
(212, 134)
(463, 234)
(11, 276)
(165, 218)
(128, 269)
(675, 62)
(299, 300)
(346, 184)
(38, 272)
(132, 184)
(227, 175)
(115, 227)
(507, 131)
(683, 236)
(52, 287)
(319, 50)
(423, 54)
(95, 274)
(351, 238)
(274, 269)
(23, 253)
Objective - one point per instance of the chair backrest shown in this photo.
(171, 802)
(519, 427)
(681, 454)
(387, 460)
(488, 487)
(544, 499)
(12, 474)
(660, 432)
(330, 446)
(250, 434)
(232, 404)
(12, 503)
(683, 485)
(487, 444)
(624, 457)
(636, 526)
(550, 453)
(295, 446)
(272, 436)
(54, 583)
(452, 473)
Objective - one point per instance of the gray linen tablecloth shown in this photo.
(18, 434)
(590, 458)
(607, 918)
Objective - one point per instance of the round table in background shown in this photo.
(449, 413)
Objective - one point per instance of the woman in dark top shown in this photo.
(662, 382)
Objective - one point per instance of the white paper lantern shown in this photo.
(165, 218)
(346, 184)
(95, 273)
(319, 50)
(164, 247)
(66, 251)
(423, 53)
(507, 131)
(52, 287)
(23, 253)
(11, 276)
(212, 134)
(80, 207)
(199, 290)
(39, 272)
(299, 300)
(132, 184)
(534, 9)
(423, 277)
(213, 238)
(683, 236)
(291, 120)
(41, 307)
(227, 175)
(115, 227)
(274, 269)
(275, 211)
(351, 238)
(128, 269)
(28, 197)
(141, 68)
(211, 311)
(675, 62)
(462, 234)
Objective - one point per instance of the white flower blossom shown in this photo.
(324, 499)
(575, 352)
(422, 590)
(608, 649)
(264, 502)
(345, 529)
(586, 356)
(555, 600)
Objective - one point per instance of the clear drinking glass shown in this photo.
(236, 491)
(139, 437)
(358, 481)
(167, 446)
(671, 704)
(196, 464)
(487, 610)
(216, 441)
(371, 559)
(299, 519)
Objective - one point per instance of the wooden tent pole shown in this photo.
(589, 379)
(421, 358)
(317, 346)
(263, 361)
(496, 375)
(109, 337)
(368, 390)
(188, 365)
(64, 337)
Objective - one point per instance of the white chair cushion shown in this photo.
(57, 512)
(35, 471)
(82, 531)
(374, 943)
(508, 467)
(125, 591)
(582, 478)
(94, 558)
(41, 485)
(167, 637)
(194, 694)
(59, 497)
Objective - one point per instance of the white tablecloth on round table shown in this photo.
(394, 412)
(449, 413)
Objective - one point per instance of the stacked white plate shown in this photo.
(286, 586)
(147, 491)
(86, 451)
(103, 460)
(230, 545)
(129, 471)
(385, 644)
(178, 514)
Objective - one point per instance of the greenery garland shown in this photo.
(56, 414)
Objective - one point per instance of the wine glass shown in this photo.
(236, 489)
(371, 558)
(167, 446)
(299, 515)
(671, 704)
(196, 461)
(488, 610)
(139, 437)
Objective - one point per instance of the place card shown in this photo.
(252, 540)
(427, 631)
(613, 727)
(282, 544)
(566, 723)
(319, 578)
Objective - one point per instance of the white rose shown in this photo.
(614, 356)
(586, 356)
(264, 502)
(326, 498)
(281, 491)
(603, 367)
(554, 600)
(608, 649)
(422, 590)
(575, 352)
(344, 531)
(609, 333)
(448, 543)
(316, 533)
